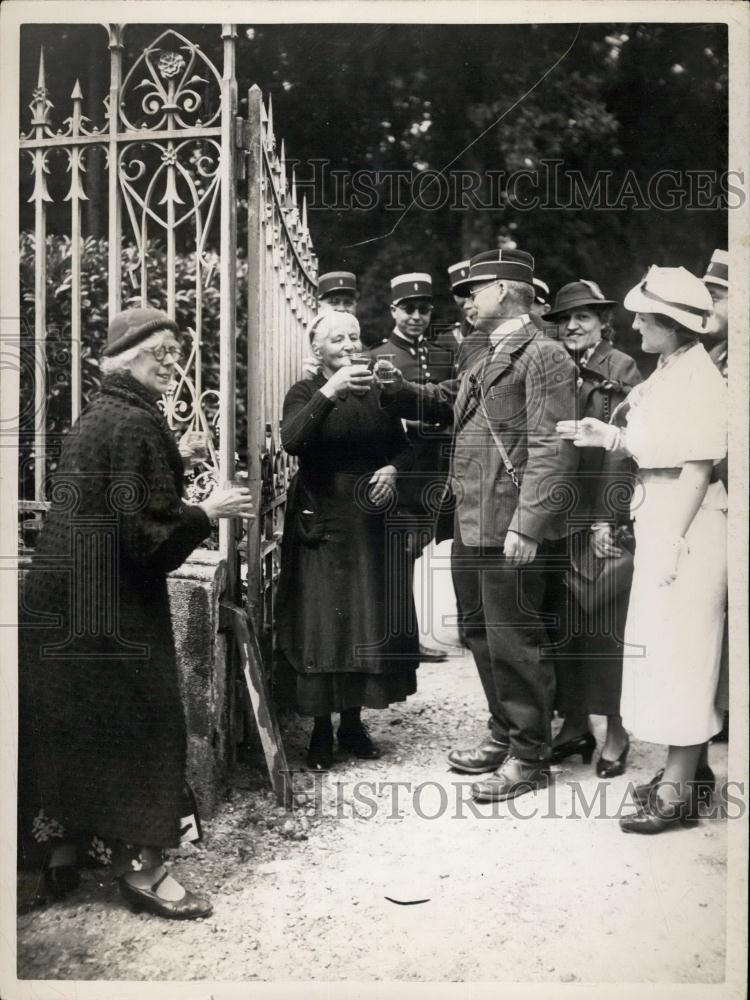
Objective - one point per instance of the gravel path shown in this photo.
(303, 895)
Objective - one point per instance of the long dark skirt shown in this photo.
(588, 661)
(345, 612)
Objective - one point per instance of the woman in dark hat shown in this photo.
(589, 664)
(344, 604)
(102, 731)
(675, 426)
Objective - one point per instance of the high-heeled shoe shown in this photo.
(189, 907)
(606, 768)
(583, 745)
(655, 816)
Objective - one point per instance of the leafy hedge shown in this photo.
(94, 315)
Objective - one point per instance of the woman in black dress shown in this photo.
(345, 613)
(589, 664)
(102, 742)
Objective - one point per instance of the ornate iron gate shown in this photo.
(179, 162)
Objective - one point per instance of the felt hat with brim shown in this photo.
(459, 277)
(415, 285)
(580, 294)
(337, 281)
(673, 292)
(717, 272)
(132, 326)
(499, 265)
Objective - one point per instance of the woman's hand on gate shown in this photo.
(229, 501)
(383, 485)
(602, 542)
(356, 377)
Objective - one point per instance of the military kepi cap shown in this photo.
(337, 281)
(458, 274)
(494, 265)
(541, 291)
(411, 286)
(717, 272)
(131, 326)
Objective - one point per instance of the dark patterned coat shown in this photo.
(528, 385)
(102, 732)
(605, 479)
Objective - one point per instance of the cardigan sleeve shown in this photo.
(157, 529)
(305, 409)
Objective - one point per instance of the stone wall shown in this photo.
(194, 592)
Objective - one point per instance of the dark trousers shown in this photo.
(512, 616)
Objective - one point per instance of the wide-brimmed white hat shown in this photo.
(673, 292)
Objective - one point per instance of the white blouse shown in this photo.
(679, 414)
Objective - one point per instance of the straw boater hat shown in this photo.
(717, 272)
(673, 292)
(581, 294)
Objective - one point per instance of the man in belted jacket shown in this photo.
(510, 523)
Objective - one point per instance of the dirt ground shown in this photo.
(505, 895)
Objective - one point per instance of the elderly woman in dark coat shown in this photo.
(589, 664)
(102, 731)
(345, 613)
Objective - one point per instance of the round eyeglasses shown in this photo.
(411, 307)
(173, 350)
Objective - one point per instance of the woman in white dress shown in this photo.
(675, 428)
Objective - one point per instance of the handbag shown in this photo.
(593, 580)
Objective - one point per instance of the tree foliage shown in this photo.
(627, 100)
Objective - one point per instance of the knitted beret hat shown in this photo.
(131, 326)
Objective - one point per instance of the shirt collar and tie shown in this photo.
(506, 328)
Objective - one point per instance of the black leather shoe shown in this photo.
(704, 784)
(514, 777)
(358, 742)
(656, 816)
(488, 756)
(320, 751)
(190, 907)
(612, 768)
(583, 745)
(427, 655)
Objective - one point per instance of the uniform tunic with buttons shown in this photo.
(421, 362)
